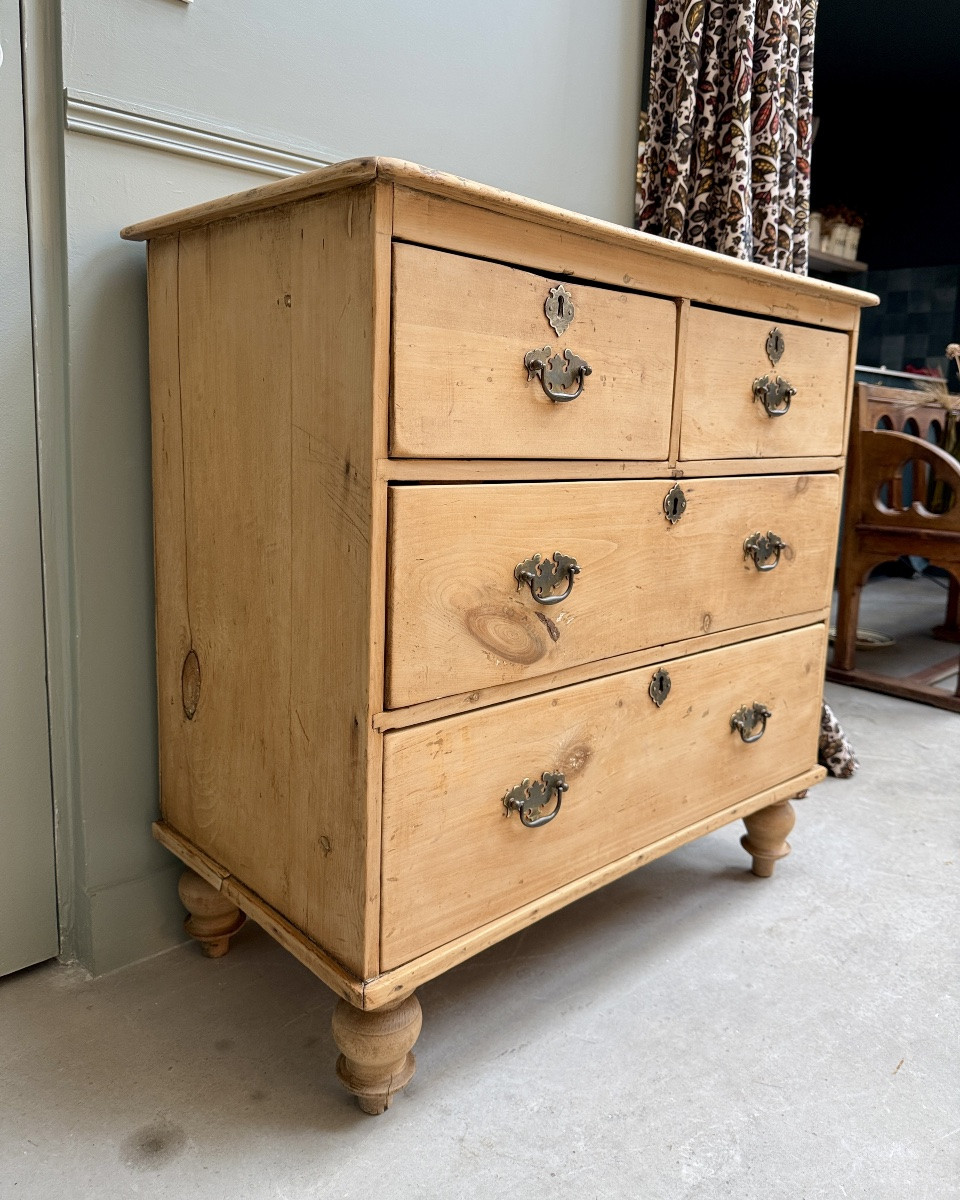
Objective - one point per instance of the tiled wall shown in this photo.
(918, 315)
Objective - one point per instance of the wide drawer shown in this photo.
(462, 329)
(722, 415)
(458, 621)
(453, 859)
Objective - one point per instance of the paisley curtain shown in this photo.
(727, 162)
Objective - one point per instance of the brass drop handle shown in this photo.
(774, 394)
(529, 799)
(544, 575)
(557, 372)
(750, 722)
(764, 549)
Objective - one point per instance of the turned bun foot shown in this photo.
(375, 1050)
(213, 919)
(766, 836)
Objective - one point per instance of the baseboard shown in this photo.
(134, 919)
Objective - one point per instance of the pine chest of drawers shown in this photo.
(494, 548)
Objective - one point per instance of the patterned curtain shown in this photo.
(727, 163)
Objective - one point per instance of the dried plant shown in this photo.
(936, 389)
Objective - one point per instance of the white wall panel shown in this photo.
(536, 96)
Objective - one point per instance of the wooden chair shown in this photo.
(891, 472)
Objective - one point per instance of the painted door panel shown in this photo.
(28, 909)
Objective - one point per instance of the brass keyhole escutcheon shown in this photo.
(558, 309)
(674, 504)
(660, 686)
(775, 346)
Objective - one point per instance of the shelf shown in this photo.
(821, 261)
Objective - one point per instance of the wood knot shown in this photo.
(190, 684)
(506, 632)
(574, 759)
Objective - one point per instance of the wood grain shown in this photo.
(173, 632)
(458, 622)
(446, 210)
(892, 685)
(448, 706)
(388, 988)
(188, 853)
(493, 470)
(376, 1051)
(307, 186)
(235, 380)
(721, 417)
(452, 859)
(766, 837)
(461, 328)
(393, 985)
(617, 256)
(330, 972)
(304, 337)
(850, 382)
(880, 527)
(341, 265)
(213, 918)
(679, 379)
(276, 327)
(882, 456)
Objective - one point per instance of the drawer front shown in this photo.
(452, 857)
(722, 417)
(462, 329)
(458, 621)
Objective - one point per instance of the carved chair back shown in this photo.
(901, 478)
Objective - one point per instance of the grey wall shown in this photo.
(539, 97)
(126, 904)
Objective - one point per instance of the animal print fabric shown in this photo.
(835, 752)
(727, 162)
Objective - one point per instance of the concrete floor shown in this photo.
(906, 610)
(691, 1031)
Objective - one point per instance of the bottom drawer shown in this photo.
(454, 859)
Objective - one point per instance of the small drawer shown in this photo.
(453, 859)
(463, 330)
(459, 619)
(725, 401)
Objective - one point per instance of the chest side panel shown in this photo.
(267, 532)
